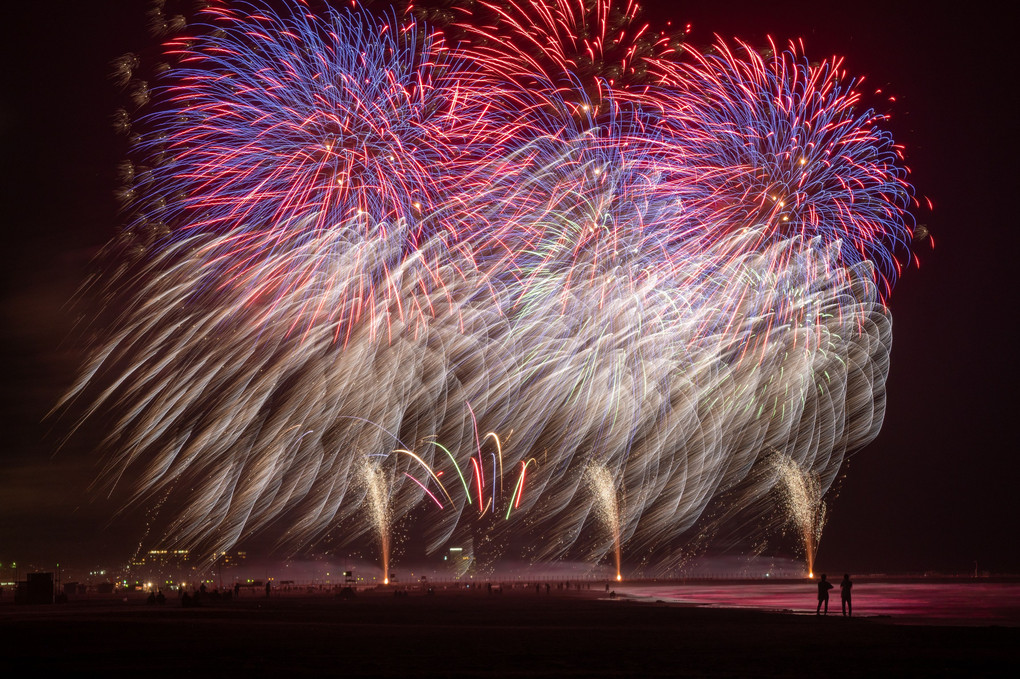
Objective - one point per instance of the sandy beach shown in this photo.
(476, 634)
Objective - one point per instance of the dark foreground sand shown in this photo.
(458, 634)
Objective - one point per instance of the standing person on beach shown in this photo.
(823, 595)
(844, 595)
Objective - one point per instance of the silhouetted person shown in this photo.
(160, 599)
(823, 594)
(237, 589)
(269, 586)
(844, 595)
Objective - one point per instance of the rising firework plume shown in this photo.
(378, 276)
(802, 496)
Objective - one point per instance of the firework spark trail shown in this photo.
(802, 493)
(378, 499)
(336, 122)
(607, 284)
(607, 502)
(778, 141)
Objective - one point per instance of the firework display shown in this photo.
(545, 289)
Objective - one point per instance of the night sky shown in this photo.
(935, 492)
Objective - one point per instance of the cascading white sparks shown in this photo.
(378, 499)
(802, 495)
(607, 503)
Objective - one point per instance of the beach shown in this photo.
(474, 633)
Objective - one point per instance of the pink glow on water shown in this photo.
(936, 603)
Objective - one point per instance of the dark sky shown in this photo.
(936, 491)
